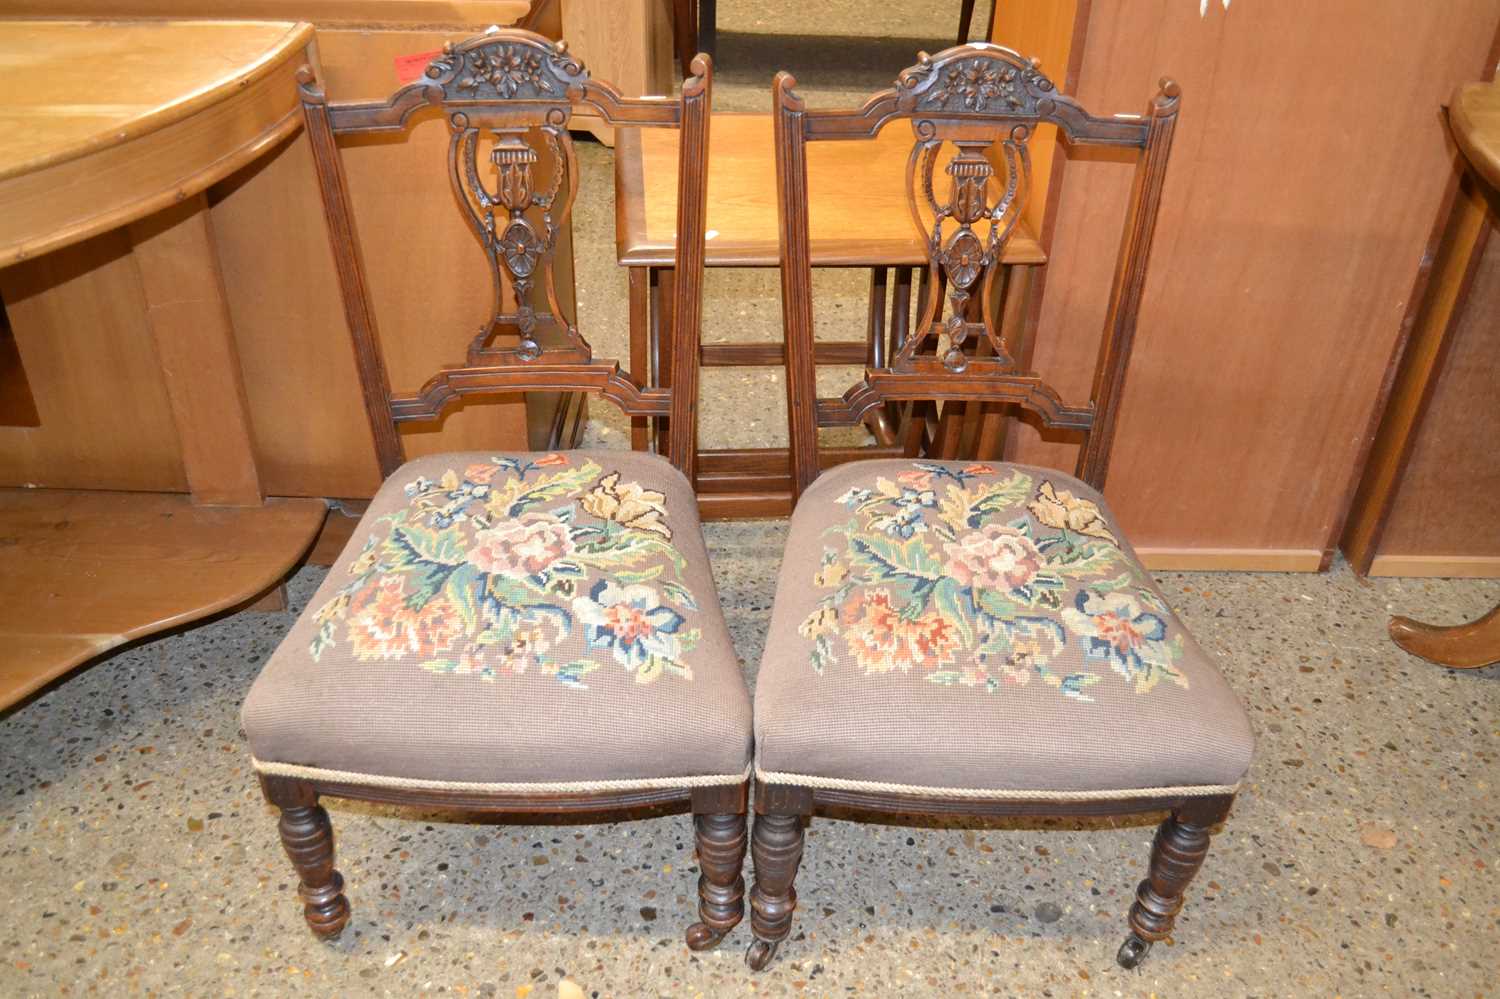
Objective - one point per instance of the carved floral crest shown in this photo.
(996, 81)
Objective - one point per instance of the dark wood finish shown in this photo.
(966, 361)
(781, 811)
(517, 224)
(721, 839)
(307, 836)
(522, 89)
(1461, 646)
(776, 846)
(1176, 854)
(941, 359)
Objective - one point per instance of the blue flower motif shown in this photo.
(631, 622)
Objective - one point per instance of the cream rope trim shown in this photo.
(481, 787)
(1194, 791)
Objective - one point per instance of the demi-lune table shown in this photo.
(111, 124)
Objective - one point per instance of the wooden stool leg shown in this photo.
(307, 836)
(776, 846)
(722, 839)
(1177, 853)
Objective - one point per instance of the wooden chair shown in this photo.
(966, 638)
(517, 633)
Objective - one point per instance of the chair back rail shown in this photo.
(522, 89)
(985, 101)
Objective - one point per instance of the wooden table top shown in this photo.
(856, 189)
(1474, 114)
(104, 122)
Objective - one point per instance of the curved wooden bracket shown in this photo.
(607, 379)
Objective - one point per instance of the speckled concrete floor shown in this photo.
(137, 857)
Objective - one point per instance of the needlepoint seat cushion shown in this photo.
(547, 621)
(984, 628)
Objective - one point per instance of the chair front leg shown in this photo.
(719, 827)
(776, 846)
(1177, 853)
(307, 836)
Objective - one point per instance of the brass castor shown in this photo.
(1132, 952)
(761, 953)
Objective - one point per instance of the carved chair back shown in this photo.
(514, 91)
(985, 102)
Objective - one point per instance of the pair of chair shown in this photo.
(539, 633)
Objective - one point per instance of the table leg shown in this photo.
(185, 305)
(879, 420)
(1462, 646)
(640, 349)
(664, 281)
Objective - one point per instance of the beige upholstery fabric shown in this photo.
(951, 625)
(515, 619)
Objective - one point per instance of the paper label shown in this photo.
(411, 67)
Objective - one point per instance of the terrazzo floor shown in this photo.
(137, 857)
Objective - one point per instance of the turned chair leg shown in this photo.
(722, 839)
(307, 836)
(776, 846)
(1177, 853)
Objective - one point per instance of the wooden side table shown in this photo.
(1474, 121)
(124, 124)
(860, 218)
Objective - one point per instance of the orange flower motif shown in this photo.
(917, 480)
(381, 626)
(979, 469)
(881, 639)
(548, 461)
(481, 473)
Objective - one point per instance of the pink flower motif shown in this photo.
(995, 557)
(522, 547)
(917, 480)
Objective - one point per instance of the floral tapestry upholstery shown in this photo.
(983, 627)
(544, 619)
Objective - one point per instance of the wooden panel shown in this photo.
(627, 42)
(852, 222)
(194, 342)
(1437, 566)
(1043, 30)
(1448, 503)
(81, 573)
(79, 318)
(1294, 218)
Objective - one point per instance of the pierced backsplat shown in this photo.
(508, 96)
(964, 257)
(983, 102)
(518, 221)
